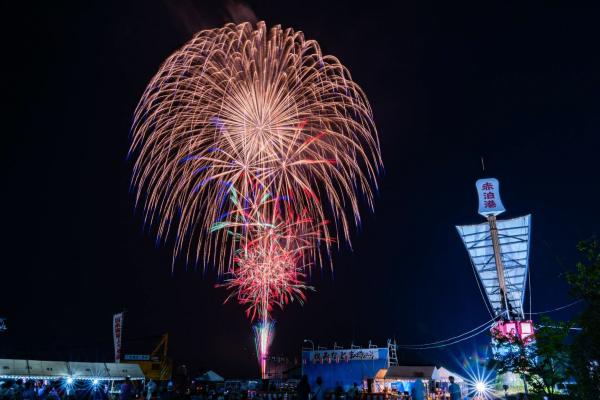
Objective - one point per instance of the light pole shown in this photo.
(311, 342)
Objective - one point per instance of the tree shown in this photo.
(550, 365)
(511, 354)
(542, 363)
(585, 351)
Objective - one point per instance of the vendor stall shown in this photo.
(53, 370)
(401, 379)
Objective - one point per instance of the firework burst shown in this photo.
(275, 249)
(240, 105)
(244, 141)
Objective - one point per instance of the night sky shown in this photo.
(517, 86)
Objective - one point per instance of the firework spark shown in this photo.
(238, 105)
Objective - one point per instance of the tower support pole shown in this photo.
(498, 258)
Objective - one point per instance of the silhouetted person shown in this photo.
(97, 393)
(151, 389)
(126, 392)
(418, 390)
(453, 389)
(303, 388)
(353, 391)
(18, 389)
(29, 393)
(319, 395)
(339, 391)
(5, 392)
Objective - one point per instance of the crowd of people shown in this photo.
(67, 389)
(418, 391)
(305, 392)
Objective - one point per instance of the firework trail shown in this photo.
(275, 248)
(244, 141)
(263, 337)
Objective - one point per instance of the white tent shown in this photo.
(37, 369)
(121, 371)
(11, 368)
(48, 369)
(210, 376)
(407, 372)
(442, 374)
(87, 370)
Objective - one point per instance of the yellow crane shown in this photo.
(157, 365)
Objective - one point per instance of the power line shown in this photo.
(486, 328)
(556, 309)
(572, 328)
(485, 324)
(478, 330)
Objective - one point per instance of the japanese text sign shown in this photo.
(488, 190)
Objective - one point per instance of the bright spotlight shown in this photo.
(69, 381)
(480, 387)
(95, 382)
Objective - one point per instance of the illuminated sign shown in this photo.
(328, 356)
(136, 357)
(488, 190)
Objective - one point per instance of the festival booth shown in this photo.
(343, 367)
(90, 371)
(401, 379)
(48, 369)
(13, 369)
(54, 370)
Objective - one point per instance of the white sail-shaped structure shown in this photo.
(514, 238)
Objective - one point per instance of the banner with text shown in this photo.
(137, 357)
(117, 335)
(343, 355)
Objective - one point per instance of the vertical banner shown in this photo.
(488, 191)
(117, 334)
